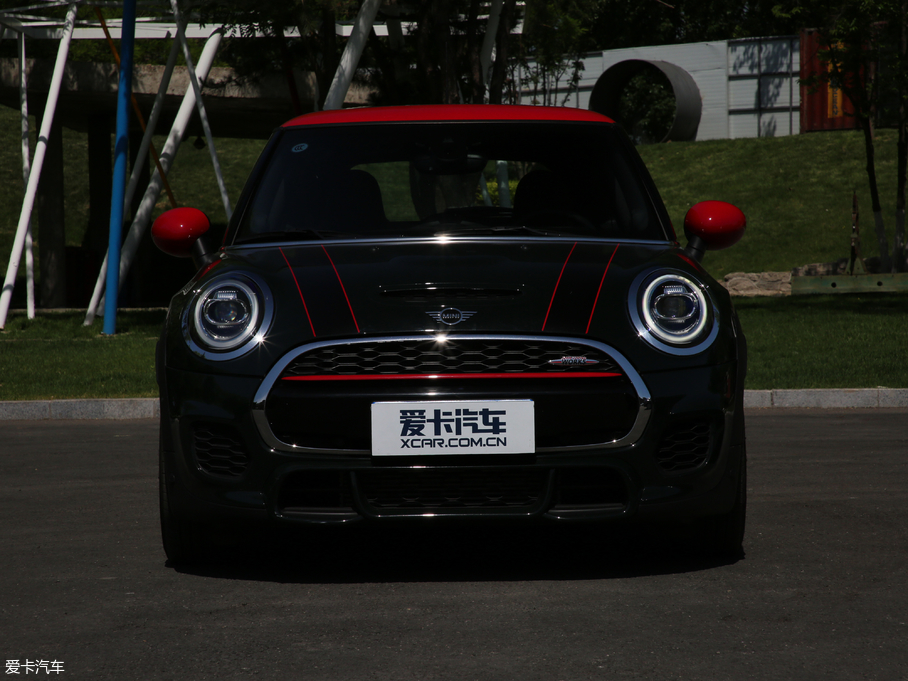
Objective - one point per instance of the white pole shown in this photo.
(26, 164)
(187, 55)
(143, 214)
(40, 151)
(352, 52)
(96, 297)
(151, 125)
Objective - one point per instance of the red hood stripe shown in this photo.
(295, 281)
(342, 289)
(560, 274)
(599, 290)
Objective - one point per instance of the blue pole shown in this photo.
(118, 192)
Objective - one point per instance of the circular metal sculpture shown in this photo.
(606, 95)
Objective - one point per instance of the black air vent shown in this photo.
(219, 451)
(684, 446)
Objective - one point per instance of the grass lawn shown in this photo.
(55, 357)
(796, 192)
(827, 341)
(834, 341)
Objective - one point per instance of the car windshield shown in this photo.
(400, 180)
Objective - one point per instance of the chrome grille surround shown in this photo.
(644, 399)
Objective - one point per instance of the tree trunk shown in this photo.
(867, 127)
(502, 45)
(474, 55)
(100, 180)
(287, 68)
(327, 58)
(51, 229)
(898, 249)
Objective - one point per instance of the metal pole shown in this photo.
(124, 91)
(143, 213)
(134, 180)
(352, 52)
(26, 165)
(31, 190)
(194, 80)
(152, 125)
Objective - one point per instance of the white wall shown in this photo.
(748, 88)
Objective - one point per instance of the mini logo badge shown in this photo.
(450, 316)
(569, 360)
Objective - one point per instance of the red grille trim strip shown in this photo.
(397, 377)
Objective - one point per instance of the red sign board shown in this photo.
(824, 106)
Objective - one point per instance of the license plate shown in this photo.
(453, 428)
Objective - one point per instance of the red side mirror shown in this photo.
(176, 231)
(712, 226)
(717, 223)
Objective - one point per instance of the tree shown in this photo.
(863, 45)
(553, 41)
(439, 62)
(634, 23)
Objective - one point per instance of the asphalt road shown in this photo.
(822, 592)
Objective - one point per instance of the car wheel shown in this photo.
(183, 541)
(723, 535)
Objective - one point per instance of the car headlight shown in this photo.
(227, 316)
(672, 311)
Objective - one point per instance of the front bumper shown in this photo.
(682, 464)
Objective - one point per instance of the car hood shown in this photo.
(460, 286)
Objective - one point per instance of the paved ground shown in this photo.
(821, 594)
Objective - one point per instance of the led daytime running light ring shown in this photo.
(693, 339)
(659, 325)
(202, 322)
(208, 339)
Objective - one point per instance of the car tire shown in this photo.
(182, 539)
(723, 535)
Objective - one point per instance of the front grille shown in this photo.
(427, 356)
(684, 446)
(219, 450)
(452, 489)
(579, 408)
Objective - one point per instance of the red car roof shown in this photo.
(447, 112)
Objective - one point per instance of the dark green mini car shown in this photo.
(469, 312)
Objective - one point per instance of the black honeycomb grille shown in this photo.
(455, 356)
(220, 451)
(684, 446)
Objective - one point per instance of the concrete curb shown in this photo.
(148, 408)
(139, 408)
(859, 398)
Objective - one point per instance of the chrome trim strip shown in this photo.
(446, 240)
(259, 401)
